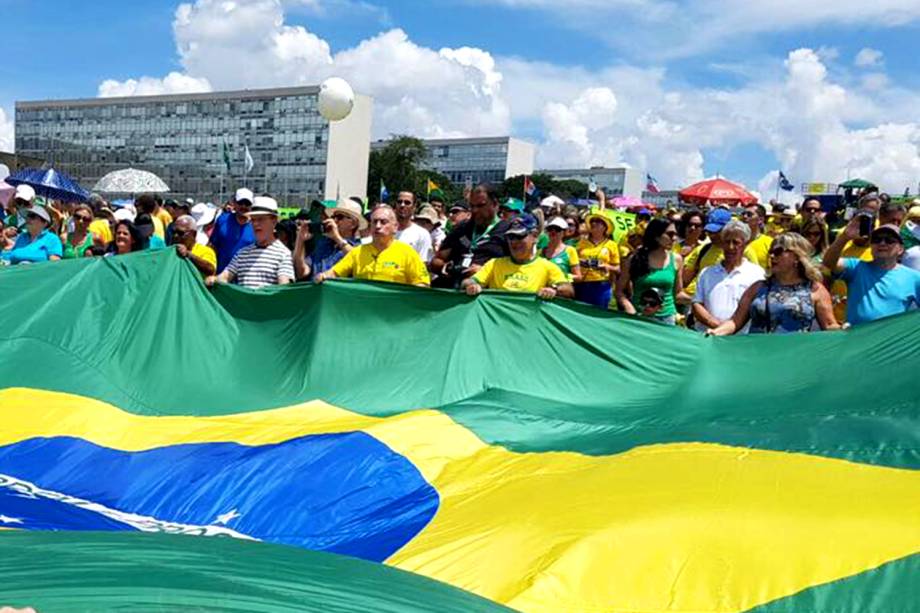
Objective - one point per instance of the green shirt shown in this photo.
(71, 252)
(661, 279)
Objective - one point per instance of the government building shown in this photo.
(196, 143)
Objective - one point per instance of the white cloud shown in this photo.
(692, 27)
(450, 92)
(7, 136)
(817, 124)
(173, 83)
(867, 58)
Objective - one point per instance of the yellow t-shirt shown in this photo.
(101, 229)
(158, 228)
(205, 253)
(606, 252)
(505, 273)
(760, 249)
(839, 286)
(164, 216)
(398, 263)
(712, 256)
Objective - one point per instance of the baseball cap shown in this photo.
(914, 212)
(244, 194)
(522, 225)
(39, 211)
(125, 214)
(462, 205)
(558, 222)
(263, 205)
(513, 204)
(717, 220)
(24, 192)
(891, 228)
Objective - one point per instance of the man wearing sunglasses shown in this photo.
(755, 216)
(184, 235)
(232, 230)
(522, 270)
(878, 288)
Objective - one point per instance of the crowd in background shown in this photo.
(761, 268)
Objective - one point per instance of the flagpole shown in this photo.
(776, 197)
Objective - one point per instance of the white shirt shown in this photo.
(419, 239)
(720, 291)
(911, 258)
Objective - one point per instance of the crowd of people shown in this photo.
(719, 270)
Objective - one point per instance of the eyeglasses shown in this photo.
(83, 218)
(694, 225)
(884, 238)
(672, 233)
(553, 229)
(748, 214)
(516, 237)
(811, 209)
(776, 252)
(404, 202)
(177, 232)
(340, 216)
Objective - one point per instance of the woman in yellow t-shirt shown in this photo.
(600, 262)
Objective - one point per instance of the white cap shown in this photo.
(243, 194)
(203, 214)
(24, 192)
(125, 214)
(263, 205)
(558, 222)
(551, 201)
(190, 202)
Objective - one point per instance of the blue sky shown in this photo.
(681, 90)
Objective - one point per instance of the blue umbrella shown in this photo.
(50, 183)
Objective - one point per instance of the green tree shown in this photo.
(398, 165)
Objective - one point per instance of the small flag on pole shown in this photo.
(784, 183)
(384, 194)
(651, 185)
(247, 159)
(432, 186)
(529, 188)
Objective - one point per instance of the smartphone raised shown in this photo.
(865, 225)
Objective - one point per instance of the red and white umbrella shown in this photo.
(716, 191)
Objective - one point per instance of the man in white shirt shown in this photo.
(410, 232)
(719, 287)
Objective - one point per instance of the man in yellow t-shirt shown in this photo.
(755, 216)
(523, 270)
(185, 232)
(384, 258)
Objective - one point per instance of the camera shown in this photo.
(865, 224)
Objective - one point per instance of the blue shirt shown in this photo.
(41, 249)
(229, 237)
(873, 293)
(326, 255)
(155, 243)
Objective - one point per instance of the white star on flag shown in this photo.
(6, 519)
(226, 517)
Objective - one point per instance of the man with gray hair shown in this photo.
(184, 235)
(720, 287)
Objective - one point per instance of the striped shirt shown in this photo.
(256, 267)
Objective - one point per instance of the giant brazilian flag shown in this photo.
(366, 447)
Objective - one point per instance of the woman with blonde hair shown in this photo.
(791, 299)
(815, 230)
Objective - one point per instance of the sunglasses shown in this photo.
(775, 253)
(811, 209)
(404, 202)
(340, 216)
(83, 218)
(748, 214)
(694, 225)
(32, 216)
(884, 238)
(178, 232)
(553, 229)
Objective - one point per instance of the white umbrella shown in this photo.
(130, 181)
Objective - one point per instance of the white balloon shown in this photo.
(336, 99)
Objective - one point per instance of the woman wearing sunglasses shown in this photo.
(562, 255)
(814, 230)
(791, 299)
(37, 243)
(690, 231)
(80, 239)
(652, 275)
